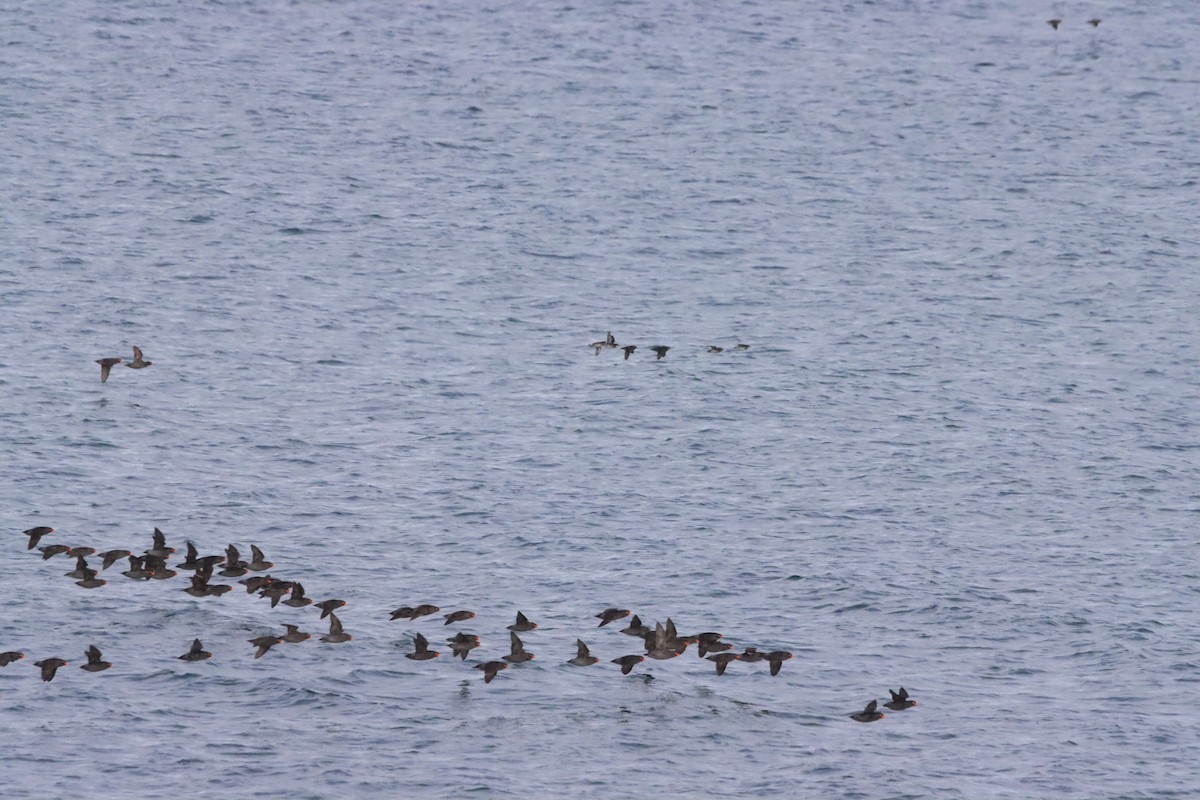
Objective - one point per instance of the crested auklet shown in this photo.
(421, 651)
(462, 643)
(106, 365)
(629, 350)
(522, 624)
(35, 535)
(297, 600)
(95, 663)
(51, 550)
(138, 362)
(583, 657)
(722, 660)
(609, 614)
(776, 659)
(636, 628)
(10, 656)
(490, 668)
(329, 606)
(628, 662)
(868, 714)
(1054, 23)
(458, 616)
(336, 635)
(89, 580)
(712, 348)
(111, 557)
(49, 667)
(660, 350)
(264, 643)
(900, 700)
(257, 562)
(609, 342)
(517, 654)
(197, 653)
(294, 635)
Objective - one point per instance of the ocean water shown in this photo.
(366, 245)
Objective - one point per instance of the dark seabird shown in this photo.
(329, 606)
(421, 651)
(264, 643)
(710, 642)
(752, 654)
(1095, 23)
(583, 657)
(609, 342)
(160, 548)
(199, 587)
(522, 624)
(113, 556)
(660, 351)
(636, 628)
(35, 535)
(137, 569)
(628, 662)
(868, 714)
(712, 348)
(95, 663)
(336, 635)
(10, 656)
(192, 560)
(216, 589)
(159, 570)
(234, 566)
(462, 644)
(106, 365)
(1053, 23)
(900, 700)
(629, 350)
(664, 643)
(490, 669)
(517, 655)
(276, 590)
(294, 635)
(403, 612)
(741, 347)
(49, 667)
(423, 611)
(257, 562)
(776, 659)
(458, 616)
(609, 614)
(76, 552)
(89, 580)
(255, 583)
(138, 362)
(51, 550)
(722, 660)
(81, 566)
(197, 653)
(297, 600)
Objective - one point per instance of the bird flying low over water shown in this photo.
(35, 535)
(336, 635)
(329, 606)
(264, 643)
(868, 714)
(294, 635)
(490, 669)
(106, 365)
(900, 700)
(722, 660)
(421, 651)
(49, 667)
(462, 643)
(95, 662)
(628, 662)
(629, 350)
(583, 657)
(609, 614)
(660, 351)
(197, 653)
(10, 657)
(138, 362)
(609, 342)
(522, 624)
(517, 654)
(458, 616)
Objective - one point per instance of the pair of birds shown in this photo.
(294, 635)
(106, 364)
(1054, 23)
(900, 701)
(49, 666)
(610, 343)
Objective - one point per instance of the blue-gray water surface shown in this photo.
(366, 245)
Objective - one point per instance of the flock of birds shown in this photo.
(659, 350)
(660, 642)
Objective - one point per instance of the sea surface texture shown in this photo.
(367, 244)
